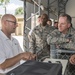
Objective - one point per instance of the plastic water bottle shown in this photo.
(53, 52)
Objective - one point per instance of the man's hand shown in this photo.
(72, 59)
(27, 56)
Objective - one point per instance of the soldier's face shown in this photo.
(63, 24)
(49, 23)
(39, 20)
(44, 20)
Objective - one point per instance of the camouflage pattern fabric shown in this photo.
(60, 39)
(38, 41)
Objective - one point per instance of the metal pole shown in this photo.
(24, 15)
(39, 6)
(48, 8)
(24, 36)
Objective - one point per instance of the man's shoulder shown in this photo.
(72, 30)
(14, 39)
(36, 28)
(56, 31)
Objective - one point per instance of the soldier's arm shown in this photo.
(72, 59)
(32, 42)
(71, 43)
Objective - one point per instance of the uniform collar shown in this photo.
(43, 26)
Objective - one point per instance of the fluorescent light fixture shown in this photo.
(42, 7)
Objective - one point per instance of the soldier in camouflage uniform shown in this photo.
(64, 36)
(38, 40)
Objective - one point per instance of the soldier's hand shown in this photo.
(72, 59)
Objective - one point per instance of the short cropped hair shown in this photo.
(69, 19)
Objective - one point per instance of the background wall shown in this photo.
(70, 9)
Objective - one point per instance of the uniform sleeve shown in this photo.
(54, 38)
(32, 42)
(71, 44)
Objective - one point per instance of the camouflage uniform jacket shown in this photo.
(38, 40)
(60, 39)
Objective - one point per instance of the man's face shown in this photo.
(11, 25)
(49, 23)
(44, 20)
(39, 20)
(56, 25)
(63, 24)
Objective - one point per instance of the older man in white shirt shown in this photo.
(10, 51)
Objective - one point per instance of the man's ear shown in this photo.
(69, 25)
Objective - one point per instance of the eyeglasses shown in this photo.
(12, 22)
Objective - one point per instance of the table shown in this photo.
(62, 61)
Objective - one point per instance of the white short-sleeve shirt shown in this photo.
(8, 49)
